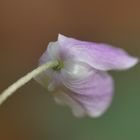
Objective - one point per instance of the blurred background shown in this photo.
(26, 26)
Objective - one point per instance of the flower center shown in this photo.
(59, 66)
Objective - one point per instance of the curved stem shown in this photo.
(23, 80)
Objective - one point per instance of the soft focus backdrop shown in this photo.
(26, 26)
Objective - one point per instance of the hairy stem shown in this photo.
(23, 80)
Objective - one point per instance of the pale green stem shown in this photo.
(23, 80)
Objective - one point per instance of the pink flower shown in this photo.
(81, 80)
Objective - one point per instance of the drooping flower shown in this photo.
(81, 80)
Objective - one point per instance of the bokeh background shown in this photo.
(26, 26)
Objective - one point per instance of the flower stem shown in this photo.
(23, 80)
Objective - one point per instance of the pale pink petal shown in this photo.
(98, 55)
(93, 93)
(51, 53)
(63, 98)
(49, 78)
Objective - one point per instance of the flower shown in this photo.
(81, 80)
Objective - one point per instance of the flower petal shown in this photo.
(52, 53)
(99, 56)
(49, 78)
(94, 93)
(43, 80)
(76, 70)
(63, 98)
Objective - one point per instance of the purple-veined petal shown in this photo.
(94, 93)
(98, 55)
(76, 70)
(63, 98)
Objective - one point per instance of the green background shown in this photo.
(25, 29)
